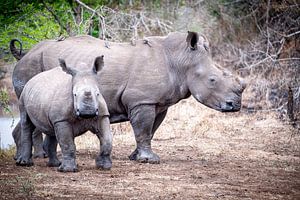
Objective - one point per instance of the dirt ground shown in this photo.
(204, 155)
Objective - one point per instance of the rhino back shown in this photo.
(132, 74)
(47, 98)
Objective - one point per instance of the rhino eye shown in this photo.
(98, 94)
(212, 80)
(75, 95)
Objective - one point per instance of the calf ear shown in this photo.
(64, 67)
(98, 64)
(192, 40)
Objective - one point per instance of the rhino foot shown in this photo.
(40, 154)
(103, 162)
(145, 156)
(16, 156)
(54, 163)
(68, 166)
(24, 162)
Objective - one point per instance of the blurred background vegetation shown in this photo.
(258, 39)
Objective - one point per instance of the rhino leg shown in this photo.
(52, 151)
(103, 160)
(26, 141)
(17, 138)
(64, 135)
(158, 120)
(45, 144)
(142, 120)
(37, 139)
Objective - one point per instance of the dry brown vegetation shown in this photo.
(260, 41)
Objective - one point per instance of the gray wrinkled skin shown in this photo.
(140, 82)
(64, 105)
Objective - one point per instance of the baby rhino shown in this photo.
(63, 106)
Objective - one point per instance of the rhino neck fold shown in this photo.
(175, 52)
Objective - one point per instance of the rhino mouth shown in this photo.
(229, 106)
(87, 114)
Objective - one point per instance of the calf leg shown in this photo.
(26, 141)
(37, 139)
(142, 120)
(103, 160)
(52, 152)
(64, 135)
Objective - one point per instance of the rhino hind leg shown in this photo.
(103, 160)
(52, 151)
(37, 139)
(64, 135)
(143, 120)
(27, 128)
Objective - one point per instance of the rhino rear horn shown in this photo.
(98, 64)
(192, 40)
(64, 67)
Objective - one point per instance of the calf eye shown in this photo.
(75, 95)
(212, 80)
(98, 94)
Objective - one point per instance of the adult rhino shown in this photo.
(141, 82)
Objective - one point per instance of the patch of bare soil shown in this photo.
(204, 155)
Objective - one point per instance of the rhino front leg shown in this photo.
(64, 135)
(103, 160)
(27, 128)
(142, 120)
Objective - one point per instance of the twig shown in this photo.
(290, 105)
(143, 22)
(292, 34)
(101, 18)
(267, 24)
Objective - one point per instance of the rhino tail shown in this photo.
(18, 54)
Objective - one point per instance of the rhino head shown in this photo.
(85, 88)
(208, 83)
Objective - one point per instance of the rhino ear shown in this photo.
(204, 41)
(98, 64)
(64, 67)
(192, 40)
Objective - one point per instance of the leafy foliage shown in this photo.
(4, 103)
(31, 25)
(4, 100)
